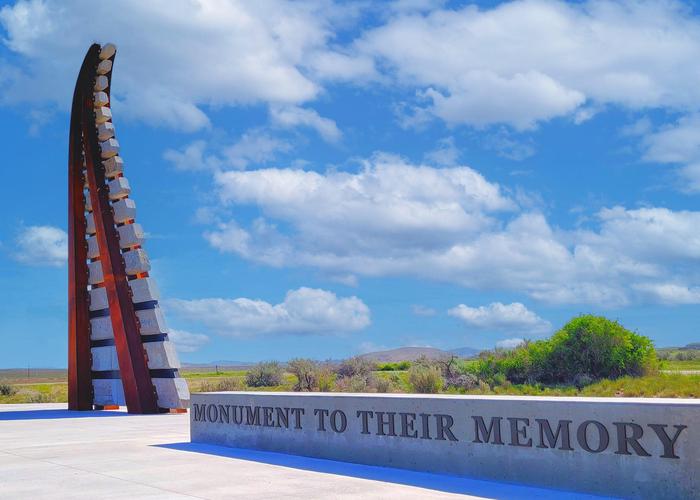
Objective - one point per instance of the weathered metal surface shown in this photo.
(118, 353)
(79, 380)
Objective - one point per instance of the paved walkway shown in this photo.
(49, 452)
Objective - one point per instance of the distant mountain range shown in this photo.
(695, 346)
(222, 362)
(413, 353)
(390, 356)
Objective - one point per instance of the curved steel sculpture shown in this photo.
(118, 346)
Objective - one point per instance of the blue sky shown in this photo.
(324, 179)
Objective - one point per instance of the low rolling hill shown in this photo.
(413, 353)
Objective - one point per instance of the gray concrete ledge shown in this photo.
(633, 448)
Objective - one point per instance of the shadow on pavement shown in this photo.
(438, 482)
(56, 414)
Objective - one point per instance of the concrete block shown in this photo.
(152, 321)
(108, 50)
(108, 392)
(104, 358)
(100, 99)
(93, 250)
(619, 447)
(118, 187)
(95, 272)
(110, 148)
(101, 328)
(105, 130)
(130, 235)
(124, 210)
(172, 392)
(136, 261)
(161, 355)
(101, 83)
(98, 299)
(113, 166)
(102, 115)
(104, 67)
(143, 290)
(90, 223)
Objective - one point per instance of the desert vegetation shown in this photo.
(587, 349)
(589, 356)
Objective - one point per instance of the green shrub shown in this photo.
(356, 366)
(394, 367)
(37, 397)
(326, 379)
(425, 379)
(230, 384)
(586, 349)
(307, 373)
(355, 383)
(384, 385)
(205, 386)
(225, 384)
(356, 375)
(267, 374)
(424, 360)
(462, 381)
(678, 355)
(600, 348)
(499, 379)
(581, 380)
(7, 390)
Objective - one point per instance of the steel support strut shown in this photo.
(79, 357)
(139, 392)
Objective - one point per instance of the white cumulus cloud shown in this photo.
(193, 157)
(42, 246)
(303, 311)
(670, 293)
(509, 343)
(451, 224)
(528, 61)
(678, 144)
(217, 53)
(294, 116)
(499, 317)
(186, 341)
(388, 203)
(254, 147)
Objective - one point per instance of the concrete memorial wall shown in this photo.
(626, 447)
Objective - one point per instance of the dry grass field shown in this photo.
(44, 386)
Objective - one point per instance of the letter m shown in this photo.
(199, 412)
(481, 431)
(252, 415)
(553, 437)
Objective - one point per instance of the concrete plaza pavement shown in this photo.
(49, 452)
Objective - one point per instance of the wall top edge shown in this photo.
(549, 399)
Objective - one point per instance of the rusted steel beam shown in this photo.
(84, 153)
(79, 357)
(138, 388)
